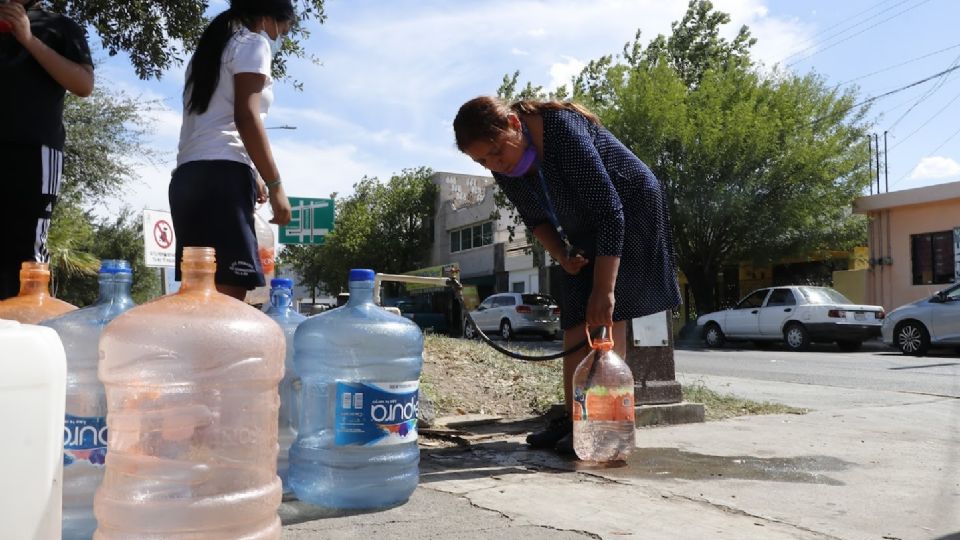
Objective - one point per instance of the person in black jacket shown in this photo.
(42, 56)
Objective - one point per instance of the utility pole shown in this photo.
(870, 160)
(886, 175)
(876, 141)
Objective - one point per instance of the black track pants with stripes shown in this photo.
(30, 177)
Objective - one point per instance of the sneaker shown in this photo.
(557, 429)
(565, 445)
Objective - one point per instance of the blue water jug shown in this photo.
(85, 427)
(360, 371)
(281, 310)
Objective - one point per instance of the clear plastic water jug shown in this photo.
(603, 414)
(267, 251)
(34, 303)
(191, 382)
(85, 420)
(281, 310)
(360, 369)
(32, 379)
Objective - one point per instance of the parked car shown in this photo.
(796, 315)
(516, 313)
(915, 328)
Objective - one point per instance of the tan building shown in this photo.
(914, 240)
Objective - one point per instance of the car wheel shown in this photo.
(912, 338)
(713, 336)
(506, 330)
(796, 337)
(470, 330)
(849, 346)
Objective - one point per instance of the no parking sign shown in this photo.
(159, 242)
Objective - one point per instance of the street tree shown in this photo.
(160, 34)
(384, 226)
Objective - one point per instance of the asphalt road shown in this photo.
(874, 368)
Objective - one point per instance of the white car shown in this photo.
(796, 315)
(934, 321)
(516, 313)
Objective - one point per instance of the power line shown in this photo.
(888, 68)
(890, 93)
(925, 96)
(812, 39)
(818, 51)
(927, 121)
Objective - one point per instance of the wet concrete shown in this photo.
(503, 457)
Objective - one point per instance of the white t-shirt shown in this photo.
(213, 134)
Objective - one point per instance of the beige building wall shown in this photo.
(894, 218)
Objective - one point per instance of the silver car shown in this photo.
(932, 322)
(510, 314)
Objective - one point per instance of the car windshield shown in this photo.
(823, 295)
(537, 300)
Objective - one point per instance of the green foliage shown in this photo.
(387, 227)
(751, 170)
(104, 141)
(160, 34)
(116, 238)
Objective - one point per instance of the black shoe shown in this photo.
(557, 429)
(565, 445)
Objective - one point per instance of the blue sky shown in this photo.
(392, 74)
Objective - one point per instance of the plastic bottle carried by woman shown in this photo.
(603, 414)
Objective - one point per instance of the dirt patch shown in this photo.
(463, 377)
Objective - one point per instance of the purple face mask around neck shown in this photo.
(528, 158)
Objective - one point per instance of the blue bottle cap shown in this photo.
(115, 266)
(362, 274)
(281, 283)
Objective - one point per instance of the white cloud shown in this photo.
(935, 167)
(537, 32)
(562, 72)
(519, 52)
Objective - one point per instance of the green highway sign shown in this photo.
(311, 221)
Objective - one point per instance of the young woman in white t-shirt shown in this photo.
(223, 144)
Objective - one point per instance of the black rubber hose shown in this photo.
(458, 293)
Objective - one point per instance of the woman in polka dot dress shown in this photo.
(596, 208)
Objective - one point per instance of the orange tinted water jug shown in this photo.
(191, 382)
(603, 415)
(34, 303)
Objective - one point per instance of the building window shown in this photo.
(518, 287)
(932, 258)
(471, 237)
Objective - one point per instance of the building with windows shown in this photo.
(914, 242)
(467, 231)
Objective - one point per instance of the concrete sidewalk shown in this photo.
(859, 465)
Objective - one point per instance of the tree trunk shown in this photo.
(703, 281)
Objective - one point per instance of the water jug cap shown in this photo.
(363, 274)
(115, 266)
(281, 283)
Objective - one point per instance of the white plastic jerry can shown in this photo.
(33, 374)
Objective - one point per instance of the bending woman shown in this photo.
(596, 208)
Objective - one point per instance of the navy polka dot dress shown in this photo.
(609, 203)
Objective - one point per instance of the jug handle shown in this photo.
(604, 342)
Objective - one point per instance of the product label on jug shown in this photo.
(603, 404)
(376, 414)
(84, 439)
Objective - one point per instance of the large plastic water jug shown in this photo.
(360, 370)
(32, 379)
(85, 420)
(267, 251)
(281, 310)
(34, 303)
(191, 382)
(603, 414)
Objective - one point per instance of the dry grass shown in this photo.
(462, 377)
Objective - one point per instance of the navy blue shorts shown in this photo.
(212, 204)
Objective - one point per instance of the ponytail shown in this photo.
(204, 72)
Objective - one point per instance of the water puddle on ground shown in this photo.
(671, 463)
